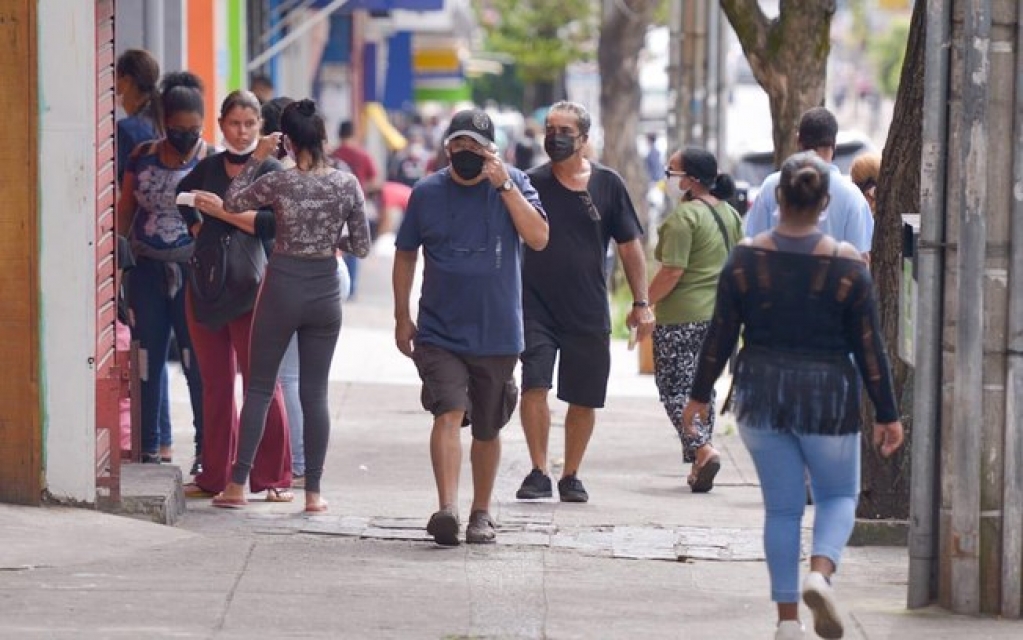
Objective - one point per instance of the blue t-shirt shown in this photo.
(847, 217)
(131, 132)
(471, 301)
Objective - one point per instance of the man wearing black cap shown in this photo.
(470, 220)
(564, 302)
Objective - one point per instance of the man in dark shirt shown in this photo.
(564, 296)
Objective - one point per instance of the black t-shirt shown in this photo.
(564, 286)
(210, 175)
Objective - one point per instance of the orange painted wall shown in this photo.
(202, 56)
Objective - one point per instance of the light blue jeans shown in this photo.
(782, 461)
(288, 377)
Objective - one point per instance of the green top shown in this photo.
(690, 239)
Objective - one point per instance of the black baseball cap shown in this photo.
(473, 123)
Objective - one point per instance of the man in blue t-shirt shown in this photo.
(468, 219)
(847, 216)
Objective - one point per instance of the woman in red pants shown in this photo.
(220, 315)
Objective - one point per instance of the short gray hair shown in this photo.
(582, 116)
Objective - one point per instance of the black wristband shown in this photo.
(640, 303)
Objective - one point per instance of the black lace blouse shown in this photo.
(801, 316)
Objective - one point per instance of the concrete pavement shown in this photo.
(644, 559)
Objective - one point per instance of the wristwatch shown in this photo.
(507, 185)
(641, 303)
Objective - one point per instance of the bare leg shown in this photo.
(446, 456)
(579, 423)
(788, 611)
(485, 456)
(536, 425)
(822, 565)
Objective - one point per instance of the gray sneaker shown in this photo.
(481, 528)
(443, 526)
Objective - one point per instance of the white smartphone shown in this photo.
(633, 334)
(185, 199)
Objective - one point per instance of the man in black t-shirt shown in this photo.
(564, 296)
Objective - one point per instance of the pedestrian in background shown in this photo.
(804, 303)
(565, 300)
(864, 172)
(312, 203)
(846, 216)
(162, 245)
(693, 243)
(364, 167)
(220, 313)
(468, 219)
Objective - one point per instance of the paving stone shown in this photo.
(644, 543)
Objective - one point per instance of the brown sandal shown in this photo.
(279, 495)
(701, 480)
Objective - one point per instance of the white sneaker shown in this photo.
(789, 630)
(820, 597)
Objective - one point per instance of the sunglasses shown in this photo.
(591, 209)
(669, 173)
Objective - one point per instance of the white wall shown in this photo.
(67, 167)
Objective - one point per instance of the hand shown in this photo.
(693, 410)
(404, 334)
(888, 437)
(209, 203)
(643, 319)
(494, 169)
(267, 146)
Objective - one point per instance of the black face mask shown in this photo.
(182, 141)
(467, 164)
(559, 146)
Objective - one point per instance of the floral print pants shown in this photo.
(676, 352)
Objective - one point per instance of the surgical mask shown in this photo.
(239, 156)
(466, 164)
(559, 146)
(675, 192)
(182, 141)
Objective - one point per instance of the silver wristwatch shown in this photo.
(507, 185)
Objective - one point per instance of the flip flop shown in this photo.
(192, 490)
(317, 508)
(701, 480)
(223, 502)
(279, 495)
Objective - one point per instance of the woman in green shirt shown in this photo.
(692, 246)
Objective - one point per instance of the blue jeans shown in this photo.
(782, 461)
(288, 377)
(157, 304)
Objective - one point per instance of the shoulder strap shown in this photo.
(721, 225)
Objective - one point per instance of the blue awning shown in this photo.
(387, 5)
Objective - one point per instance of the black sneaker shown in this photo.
(571, 489)
(536, 485)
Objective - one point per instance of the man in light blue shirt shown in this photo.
(847, 217)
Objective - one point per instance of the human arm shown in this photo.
(246, 191)
(758, 218)
(522, 202)
(402, 276)
(357, 241)
(633, 260)
(126, 203)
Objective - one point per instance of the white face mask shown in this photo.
(241, 152)
(675, 192)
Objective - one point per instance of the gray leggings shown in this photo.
(299, 295)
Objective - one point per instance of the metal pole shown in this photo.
(699, 72)
(153, 35)
(721, 89)
(924, 497)
(711, 122)
(1012, 499)
(971, 258)
(676, 93)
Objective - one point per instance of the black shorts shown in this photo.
(583, 368)
(481, 386)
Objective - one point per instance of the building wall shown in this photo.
(67, 206)
(20, 422)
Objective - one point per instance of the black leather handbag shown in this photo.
(226, 272)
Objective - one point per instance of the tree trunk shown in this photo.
(788, 56)
(885, 484)
(622, 35)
